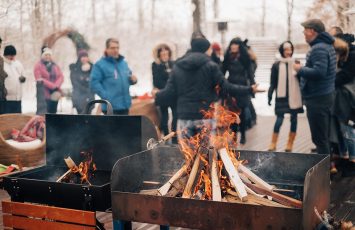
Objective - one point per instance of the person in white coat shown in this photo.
(14, 81)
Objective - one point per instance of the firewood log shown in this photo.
(280, 198)
(216, 189)
(254, 178)
(192, 177)
(177, 187)
(165, 188)
(233, 174)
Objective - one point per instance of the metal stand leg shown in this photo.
(122, 225)
(164, 227)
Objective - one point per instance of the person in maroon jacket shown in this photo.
(48, 74)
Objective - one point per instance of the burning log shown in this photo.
(280, 198)
(191, 180)
(254, 178)
(178, 187)
(216, 189)
(71, 165)
(165, 188)
(233, 174)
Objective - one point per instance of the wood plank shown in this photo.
(19, 222)
(48, 212)
(233, 174)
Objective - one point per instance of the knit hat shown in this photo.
(82, 53)
(200, 45)
(216, 46)
(47, 51)
(9, 50)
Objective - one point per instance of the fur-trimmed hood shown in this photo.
(155, 52)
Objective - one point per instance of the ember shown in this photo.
(85, 169)
(213, 170)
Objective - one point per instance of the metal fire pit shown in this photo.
(307, 174)
(108, 137)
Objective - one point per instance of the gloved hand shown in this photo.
(269, 101)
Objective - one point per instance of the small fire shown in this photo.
(221, 137)
(86, 168)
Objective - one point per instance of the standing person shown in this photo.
(50, 77)
(216, 54)
(344, 106)
(80, 77)
(288, 94)
(111, 78)
(3, 76)
(14, 81)
(193, 83)
(317, 79)
(237, 63)
(254, 66)
(161, 69)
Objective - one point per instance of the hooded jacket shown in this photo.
(193, 84)
(80, 82)
(318, 75)
(110, 79)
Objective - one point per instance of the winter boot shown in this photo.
(291, 139)
(272, 146)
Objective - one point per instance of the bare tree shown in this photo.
(54, 27)
(60, 6)
(196, 17)
(263, 17)
(140, 14)
(290, 6)
(330, 12)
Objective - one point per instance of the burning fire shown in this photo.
(86, 168)
(222, 137)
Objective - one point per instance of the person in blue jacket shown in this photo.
(317, 82)
(111, 78)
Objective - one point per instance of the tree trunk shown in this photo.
(54, 27)
(140, 14)
(59, 3)
(290, 6)
(196, 17)
(263, 19)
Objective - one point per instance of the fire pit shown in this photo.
(307, 175)
(109, 138)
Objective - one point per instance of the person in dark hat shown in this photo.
(3, 91)
(237, 63)
(317, 82)
(14, 81)
(192, 85)
(80, 78)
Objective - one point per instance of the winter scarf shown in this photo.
(294, 98)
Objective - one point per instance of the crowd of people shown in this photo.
(324, 85)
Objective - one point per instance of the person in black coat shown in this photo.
(193, 83)
(80, 78)
(161, 69)
(238, 64)
(288, 94)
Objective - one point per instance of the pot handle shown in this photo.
(101, 101)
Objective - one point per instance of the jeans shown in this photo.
(13, 107)
(319, 115)
(189, 128)
(52, 106)
(280, 119)
(349, 139)
(165, 118)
